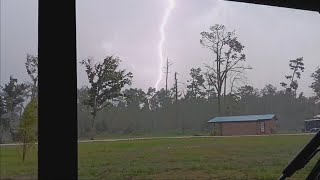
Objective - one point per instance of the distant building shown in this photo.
(244, 125)
(313, 123)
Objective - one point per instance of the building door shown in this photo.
(262, 127)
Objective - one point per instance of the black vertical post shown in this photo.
(57, 90)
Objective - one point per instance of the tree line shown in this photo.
(110, 105)
(217, 89)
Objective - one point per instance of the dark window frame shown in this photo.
(58, 84)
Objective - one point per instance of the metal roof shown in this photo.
(315, 118)
(311, 120)
(242, 118)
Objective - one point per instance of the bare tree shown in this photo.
(168, 64)
(316, 83)
(228, 56)
(297, 66)
(236, 79)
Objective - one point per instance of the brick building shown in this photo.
(244, 125)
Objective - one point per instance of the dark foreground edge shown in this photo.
(305, 155)
(58, 84)
(57, 152)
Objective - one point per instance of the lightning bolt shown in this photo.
(171, 4)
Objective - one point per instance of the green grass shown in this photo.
(193, 158)
(11, 163)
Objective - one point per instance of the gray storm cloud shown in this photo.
(130, 29)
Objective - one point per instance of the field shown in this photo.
(225, 158)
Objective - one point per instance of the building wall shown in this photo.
(246, 128)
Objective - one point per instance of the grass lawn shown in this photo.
(145, 135)
(194, 158)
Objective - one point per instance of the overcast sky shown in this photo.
(130, 29)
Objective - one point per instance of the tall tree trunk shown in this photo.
(183, 123)
(218, 79)
(1, 136)
(13, 135)
(225, 87)
(167, 67)
(24, 145)
(92, 130)
(192, 88)
(224, 93)
(34, 89)
(176, 86)
(219, 103)
(176, 97)
(167, 72)
(208, 94)
(292, 78)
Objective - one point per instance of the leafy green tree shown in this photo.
(82, 96)
(209, 86)
(4, 122)
(152, 98)
(136, 103)
(176, 96)
(83, 111)
(316, 83)
(136, 97)
(196, 84)
(269, 90)
(267, 96)
(14, 93)
(297, 67)
(32, 70)
(14, 96)
(31, 65)
(232, 105)
(28, 128)
(249, 99)
(106, 82)
(164, 100)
